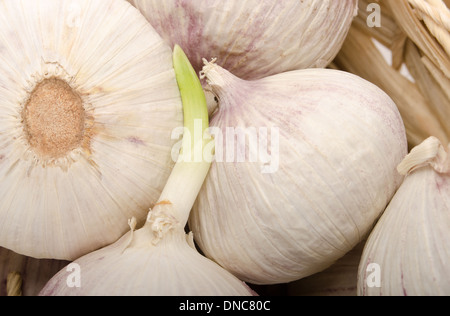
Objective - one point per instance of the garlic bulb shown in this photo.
(305, 164)
(159, 259)
(407, 253)
(169, 268)
(253, 38)
(88, 102)
(24, 274)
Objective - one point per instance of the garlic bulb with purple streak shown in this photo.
(305, 164)
(253, 38)
(408, 252)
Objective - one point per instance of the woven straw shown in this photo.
(417, 33)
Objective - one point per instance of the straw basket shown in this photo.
(417, 34)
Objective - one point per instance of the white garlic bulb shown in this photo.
(159, 259)
(305, 164)
(407, 253)
(88, 102)
(253, 38)
(170, 267)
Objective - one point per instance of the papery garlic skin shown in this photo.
(253, 38)
(407, 253)
(169, 268)
(106, 52)
(340, 141)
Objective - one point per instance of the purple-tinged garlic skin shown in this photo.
(253, 38)
(328, 176)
